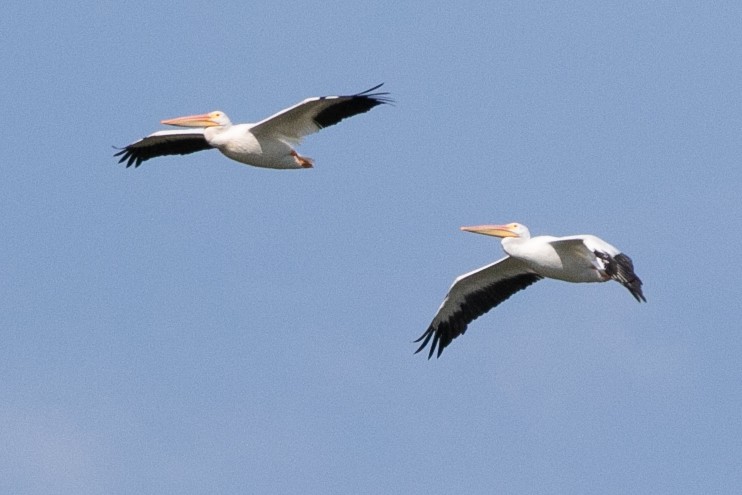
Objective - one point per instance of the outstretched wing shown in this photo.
(608, 259)
(471, 296)
(313, 114)
(161, 143)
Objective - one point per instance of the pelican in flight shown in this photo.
(576, 258)
(269, 143)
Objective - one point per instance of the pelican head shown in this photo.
(211, 119)
(509, 230)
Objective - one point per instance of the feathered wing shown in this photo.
(313, 114)
(471, 296)
(613, 262)
(161, 143)
(621, 269)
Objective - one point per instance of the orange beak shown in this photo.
(493, 230)
(201, 120)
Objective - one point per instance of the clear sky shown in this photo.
(200, 326)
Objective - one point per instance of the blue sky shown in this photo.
(199, 326)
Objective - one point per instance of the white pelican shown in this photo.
(269, 143)
(576, 258)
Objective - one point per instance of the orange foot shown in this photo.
(303, 161)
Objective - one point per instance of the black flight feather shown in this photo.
(154, 146)
(474, 305)
(621, 269)
(344, 108)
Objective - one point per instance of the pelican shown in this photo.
(576, 258)
(268, 143)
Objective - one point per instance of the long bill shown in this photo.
(493, 230)
(200, 120)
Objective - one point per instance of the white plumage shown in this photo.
(578, 258)
(268, 143)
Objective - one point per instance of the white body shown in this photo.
(577, 258)
(569, 258)
(239, 144)
(268, 143)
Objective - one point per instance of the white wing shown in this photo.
(312, 114)
(587, 243)
(606, 258)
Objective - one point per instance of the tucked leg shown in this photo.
(303, 161)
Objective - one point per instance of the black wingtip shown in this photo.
(161, 145)
(474, 305)
(371, 89)
(347, 106)
(636, 291)
(128, 156)
(624, 273)
(381, 97)
(425, 338)
(635, 287)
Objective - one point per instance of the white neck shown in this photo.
(511, 245)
